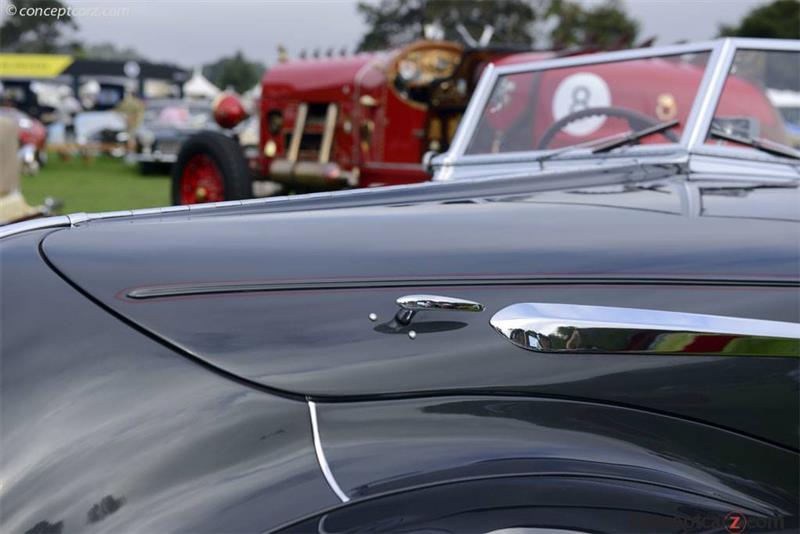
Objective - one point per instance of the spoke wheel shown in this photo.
(201, 181)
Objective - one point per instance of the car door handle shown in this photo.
(571, 328)
(411, 304)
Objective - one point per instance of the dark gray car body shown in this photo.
(157, 369)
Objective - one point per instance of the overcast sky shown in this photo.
(192, 32)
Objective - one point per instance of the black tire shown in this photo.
(226, 154)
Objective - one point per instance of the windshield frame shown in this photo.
(693, 138)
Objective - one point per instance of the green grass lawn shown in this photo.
(103, 184)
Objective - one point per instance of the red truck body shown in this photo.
(360, 122)
(336, 122)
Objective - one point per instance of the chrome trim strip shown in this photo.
(214, 205)
(77, 218)
(708, 94)
(472, 115)
(572, 328)
(232, 288)
(746, 154)
(108, 214)
(323, 462)
(171, 209)
(691, 202)
(609, 57)
(34, 224)
(735, 166)
(754, 43)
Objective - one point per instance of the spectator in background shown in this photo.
(68, 108)
(132, 108)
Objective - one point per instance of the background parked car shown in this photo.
(102, 132)
(165, 125)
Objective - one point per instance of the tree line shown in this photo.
(555, 24)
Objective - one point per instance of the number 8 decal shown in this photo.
(580, 98)
(577, 92)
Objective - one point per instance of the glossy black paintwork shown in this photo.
(599, 465)
(377, 447)
(627, 231)
(187, 413)
(322, 343)
(323, 272)
(104, 429)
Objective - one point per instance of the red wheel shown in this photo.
(210, 168)
(201, 181)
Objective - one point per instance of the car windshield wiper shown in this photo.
(759, 143)
(610, 142)
(633, 137)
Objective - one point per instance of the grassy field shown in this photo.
(102, 184)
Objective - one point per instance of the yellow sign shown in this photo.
(33, 65)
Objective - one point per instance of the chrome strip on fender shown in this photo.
(34, 224)
(570, 328)
(323, 462)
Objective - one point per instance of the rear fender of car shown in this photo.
(376, 447)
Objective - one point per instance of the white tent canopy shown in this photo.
(251, 97)
(198, 86)
(254, 92)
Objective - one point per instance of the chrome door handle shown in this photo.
(411, 304)
(557, 328)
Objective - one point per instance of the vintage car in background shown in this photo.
(556, 335)
(91, 133)
(333, 123)
(101, 132)
(166, 124)
(32, 135)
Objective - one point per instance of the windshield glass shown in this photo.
(556, 108)
(760, 100)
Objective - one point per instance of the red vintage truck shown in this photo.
(338, 122)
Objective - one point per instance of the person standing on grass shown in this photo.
(67, 109)
(132, 108)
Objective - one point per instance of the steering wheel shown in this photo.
(636, 121)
